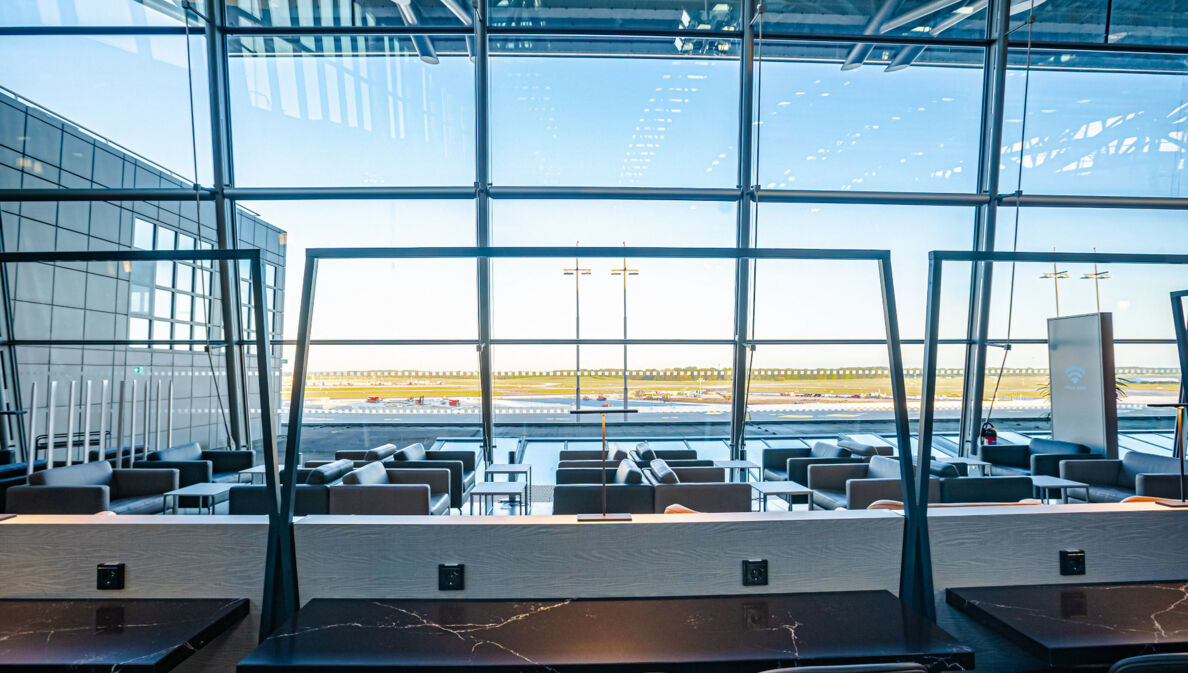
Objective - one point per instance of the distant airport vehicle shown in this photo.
(373, 398)
(453, 403)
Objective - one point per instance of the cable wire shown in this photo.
(757, 121)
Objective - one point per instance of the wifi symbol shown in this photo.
(1075, 374)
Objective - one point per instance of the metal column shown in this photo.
(482, 177)
(990, 154)
(11, 383)
(225, 225)
(742, 275)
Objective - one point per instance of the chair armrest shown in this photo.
(140, 481)
(833, 477)
(798, 467)
(379, 499)
(1009, 455)
(438, 481)
(457, 486)
(1100, 472)
(189, 471)
(467, 458)
(58, 499)
(777, 459)
(1159, 485)
(229, 461)
(1048, 464)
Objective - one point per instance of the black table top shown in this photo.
(734, 633)
(128, 635)
(1083, 624)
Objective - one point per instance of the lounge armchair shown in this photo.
(864, 450)
(698, 488)
(1136, 473)
(644, 454)
(377, 488)
(89, 488)
(664, 472)
(628, 490)
(461, 465)
(857, 486)
(196, 466)
(822, 453)
(309, 497)
(1041, 457)
(985, 489)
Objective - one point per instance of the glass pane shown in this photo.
(139, 298)
(665, 121)
(181, 307)
(67, 110)
(165, 238)
(918, 18)
(820, 129)
(165, 274)
(163, 304)
(352, 111)
(1143, 22)
(142, 234)
(656, 15)
(1100, 124)
(609, 223)
(909, 232)
(289, 13)
(90, 13)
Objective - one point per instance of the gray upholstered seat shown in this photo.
(89, 488)
(461, 464)
(1116, 480)
(253, 499)
(1040, 457)
(985, 489)
(196, 466)
(379, 488)
(856, 486)
(1172, 662)
(822, 453)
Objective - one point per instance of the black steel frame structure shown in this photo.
(282, 597)
(1177, 300)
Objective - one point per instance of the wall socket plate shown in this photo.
(1072, 562)
(451, 577)
(755, 573)
(109, 577)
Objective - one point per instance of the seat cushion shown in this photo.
(827, 450)
(181, 452)
(1008, 471)
(371, 473)
(628, 473)
(663, 472)
(1101, 493)
(1135, 463)
(829, 499)
(771, 474)
(439, 503)
(147, 504)
(85, 474)
(411, 452)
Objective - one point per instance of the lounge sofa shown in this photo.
(1041, 457)
(791, 464)
(196, 466)
(461, 465)
(310, 496)
(1136, 473)
(702, 489)
(89, 488)
(378, 488)
(579, 490)
(856, 486)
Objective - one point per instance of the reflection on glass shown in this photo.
(90, 13)
(656, 14)
(918, 18)
(611, 223)
(396, 14)
(351, 111)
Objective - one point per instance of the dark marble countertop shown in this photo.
(737, 633)
(1083, 624)
(126, 635)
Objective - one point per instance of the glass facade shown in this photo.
(911, 126)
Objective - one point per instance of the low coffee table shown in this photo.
(1042, 485)
(513, 472)
(737, 467)
(208, 494)
(486, 492)
(767, 489)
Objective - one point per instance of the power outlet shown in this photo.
(110, 577)
(1072, 562)
(451, 577)
(755, 573)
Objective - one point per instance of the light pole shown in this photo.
(1097, 276)
(624, 272)
(1056, 276)
(577, 272)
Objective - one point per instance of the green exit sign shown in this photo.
(138, 370)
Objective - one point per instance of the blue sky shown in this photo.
(334, 121)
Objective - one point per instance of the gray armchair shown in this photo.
(857, 486)
(89, 488)
(822, 453)
(461, 464)
(372, 489)
(196, 466)
(1116, 480)
(1040, 457)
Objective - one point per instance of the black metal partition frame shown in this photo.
(281, 597)
(936, 260)
(1177, 299)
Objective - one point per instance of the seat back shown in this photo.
(1040, 445)
(985, 489)
(827, 450)
(721, 497)
(664, 474)
(587, 498)
(380, 452)
(180, 452)
(882, 467)
(307, 499)
(857, 448)
(411, 452)
(328, 473)
(84, 474)
(371, 473)
(628, 473)
(1135, 463)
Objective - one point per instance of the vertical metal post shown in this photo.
(104, 418)
(225, 225)
(148, 394)
(482, 183)
(157, 420)
(86, 457)
(281, 594)
(50, 425)
(119, 447)
(1177, 299)
(169, 417)
(742, 272)
(71, 398)
(10, 371)
(985, 225)
(31, 445)
(131, 428)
